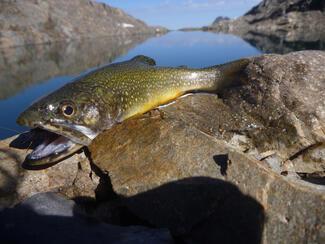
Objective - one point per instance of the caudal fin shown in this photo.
(229, 74)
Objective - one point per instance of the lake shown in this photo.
(27, 73)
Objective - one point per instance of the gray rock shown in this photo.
(49, 218)
(49, 204)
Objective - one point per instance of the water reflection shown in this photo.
(279, 44)
(29, 65)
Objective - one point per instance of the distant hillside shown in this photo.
(38, 21)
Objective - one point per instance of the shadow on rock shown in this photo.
(195, 210)
(50, 218)
(199, 210)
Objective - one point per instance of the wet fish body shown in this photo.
(80, 110)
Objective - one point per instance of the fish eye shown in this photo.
(67, 110)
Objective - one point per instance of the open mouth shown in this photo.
(52, 144)
(47, 147)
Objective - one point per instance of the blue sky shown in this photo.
(182, 13)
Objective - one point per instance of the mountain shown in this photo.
(273, 9)
(284, 25)
(38, 21)
(219, 19)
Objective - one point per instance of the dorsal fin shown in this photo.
(139, 60)
(144, 59)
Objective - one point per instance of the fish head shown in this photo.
(63, 115)
(72, 119)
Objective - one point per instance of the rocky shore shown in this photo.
(36, 21)
(279, 26)
(244, 166)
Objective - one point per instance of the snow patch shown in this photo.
(126, 25)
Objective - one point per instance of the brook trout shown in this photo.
(77, 112)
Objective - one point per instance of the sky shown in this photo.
(182, 13)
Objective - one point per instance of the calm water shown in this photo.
(27, 73)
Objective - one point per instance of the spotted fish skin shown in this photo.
(118, 92)
(137, 86)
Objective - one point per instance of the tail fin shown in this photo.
(229, 74)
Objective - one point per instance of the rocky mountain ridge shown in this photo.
(279, 26)
(295, 20)
(36, 21)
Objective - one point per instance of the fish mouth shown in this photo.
(47, 147)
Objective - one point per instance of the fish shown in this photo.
(72, 116)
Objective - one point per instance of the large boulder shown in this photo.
(275, 114)
(255, 136)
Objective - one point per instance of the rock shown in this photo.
(276, 111)
(201, 210)
(49, 204)
(71, 177)
(281, 22)
(219, 19)
(50, 218)
(34, 22)
(141, 152)
(277, 8)
(285, 97)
